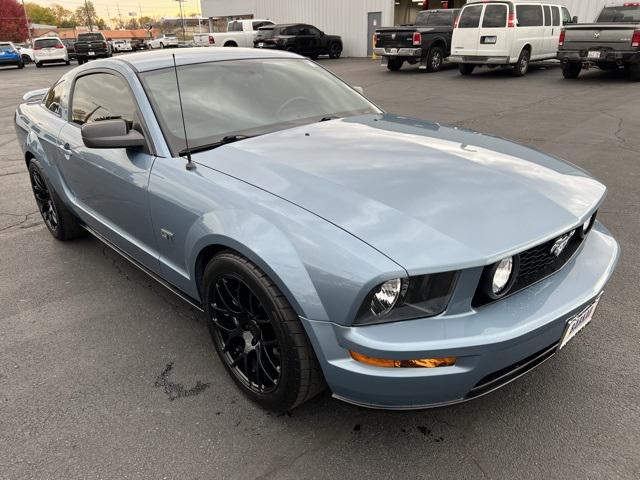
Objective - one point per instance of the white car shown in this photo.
(240, 33)
(122, 46)
(164, 41)
(49, 50)
(506, 33)
(26, 53)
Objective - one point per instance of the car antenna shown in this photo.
(190, 165)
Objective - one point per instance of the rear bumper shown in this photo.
(398, 52)
(606, 56)
(494, 344)
(96, 54)
(52, 59)
(479, 60)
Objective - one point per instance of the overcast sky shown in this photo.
(152, 8)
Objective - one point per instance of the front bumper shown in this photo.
(493, 344)
(606, 56)
(398, 52)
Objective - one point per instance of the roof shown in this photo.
(156, 59)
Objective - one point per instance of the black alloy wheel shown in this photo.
(257, 334)
(45, 202)
(244, 335)
(435, 59)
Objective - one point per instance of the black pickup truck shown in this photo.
(427, 41)
(611, 43)
(91, 45)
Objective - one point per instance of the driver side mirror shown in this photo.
(574, 19)
(321, 33)
(111, 134)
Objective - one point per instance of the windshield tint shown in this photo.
(90, 37)
(619, 14)
(248, 97)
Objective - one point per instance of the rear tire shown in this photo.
(394, 64)
(38, 64)
(258, 336)
(633, 71)
(571, 70)
(26, 59)
(20, 65)
(60, 222)
(466, 69)
(521, 68)
(435, 59)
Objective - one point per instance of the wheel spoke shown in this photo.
(268, 357)
(232, 336)
(264, 370)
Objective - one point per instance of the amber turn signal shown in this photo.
(417, 363)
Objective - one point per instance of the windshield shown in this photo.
(247, 97)
(90, 37)
(629, 14)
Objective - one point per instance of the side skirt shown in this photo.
(179, 293)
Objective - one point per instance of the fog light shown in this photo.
(502, 275)
(417, 363)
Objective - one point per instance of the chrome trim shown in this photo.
(191, 301)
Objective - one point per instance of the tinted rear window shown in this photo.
(434, 19)
(470, 17)
(495, 16)
(90, 37)
(619, 14)
(529, 15)
(46, 42)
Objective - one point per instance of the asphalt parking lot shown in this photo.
(104, 374)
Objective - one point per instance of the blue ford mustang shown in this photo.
(401, 263)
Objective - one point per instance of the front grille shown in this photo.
(535, 264)
(508, 374)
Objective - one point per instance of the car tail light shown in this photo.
(417, 39)
(211, 40)
(59, 45)
(631, 4)
(512, 20)
(561, 39)
(376, 38)
(635, 40)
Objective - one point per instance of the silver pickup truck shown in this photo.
(611, 43)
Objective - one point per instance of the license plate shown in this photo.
(260, 44)
(489, 40)
(91, 54)
(593, 54)
(578, 322)
(393, 51)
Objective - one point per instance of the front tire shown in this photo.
(38, 64)
(521, 68)
(335, 50)
(435, 59)
(60, 222)
(258, 336)
(571, 70)
(20, 65)
(394, 64)
(26, 59)
(466, 69)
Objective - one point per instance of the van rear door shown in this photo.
(493, 35)
(466, 37)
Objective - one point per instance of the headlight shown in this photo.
(407, 298)
(502, 275)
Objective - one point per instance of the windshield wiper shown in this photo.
(328, 117)
(211, 146)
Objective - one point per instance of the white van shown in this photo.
(507, 33)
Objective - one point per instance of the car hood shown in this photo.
(428, 196)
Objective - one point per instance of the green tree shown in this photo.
(40, 14)
(61, 14)
(86, 15)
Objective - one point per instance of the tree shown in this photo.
(61, 14)
(13, 24)
(86, 15)
(40, 14)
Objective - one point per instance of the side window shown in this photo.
(556, 16)
(495, 16)
(547, 15)
(470, 17)
(257, 25)
(101, 96)
(314, 31)
(235, 27)
(566, 16)
(53, 100)
(294, 31)
(529, 15)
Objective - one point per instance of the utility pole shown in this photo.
(86, 8)
(119, 15)
(26, 17)
(184, 33)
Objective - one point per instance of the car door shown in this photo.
(555, 31)
(317, 41)
(548, 30)
(529, 30)
(304, 39)
(109, 186)
(466, 37)
(493, 40)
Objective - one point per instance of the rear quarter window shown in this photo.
(495, 16)
(470, 17)
(529, 15)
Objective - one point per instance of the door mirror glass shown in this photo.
(574, 19)
(111, 134)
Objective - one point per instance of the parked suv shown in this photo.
(9, 55)
(49, 50)
(92, 45)
(610, 43)
(507, 33)
(299, 38)
(427, 42)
